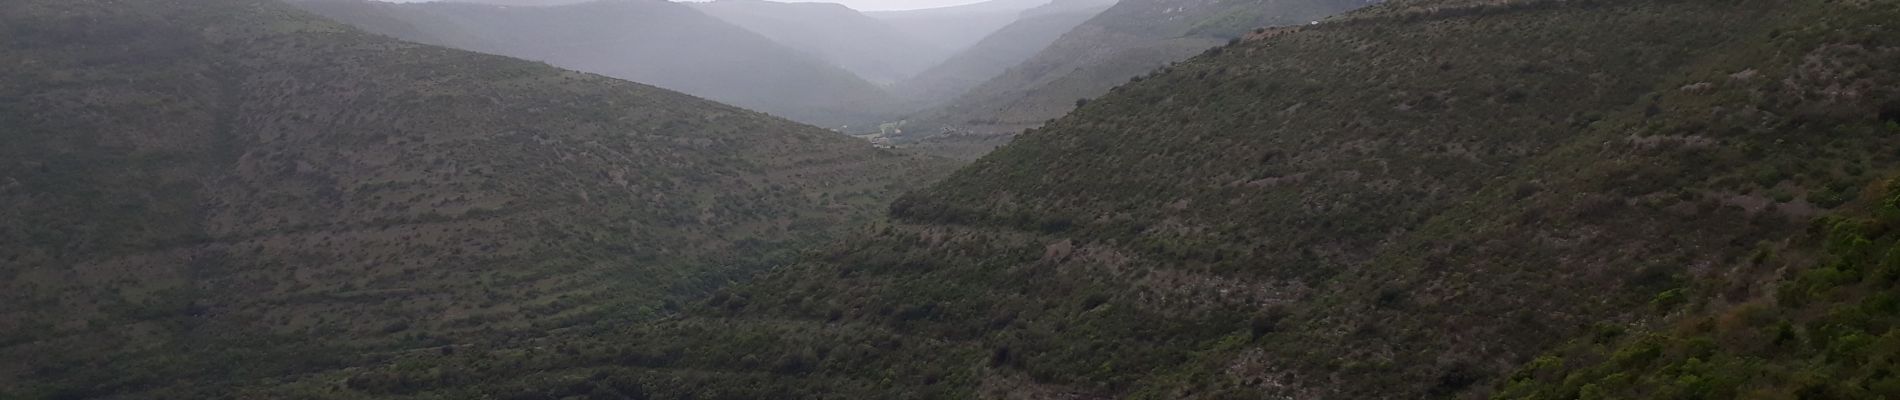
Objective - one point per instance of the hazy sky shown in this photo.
(860, 5)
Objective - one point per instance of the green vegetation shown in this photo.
(1827, 330)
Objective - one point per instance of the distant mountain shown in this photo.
(1033, 31)
(197, 194)
(517, 3)
(959, 27)
(861, 44)
(649, 41)
(1132, 38)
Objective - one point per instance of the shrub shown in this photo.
(1830, 197)
(1267, 322)
(1668, 299)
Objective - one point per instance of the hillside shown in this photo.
(958, 27)
(1417, 201)
(1034, 30)
(1132, 38)
(863, 45)
(654, 42)
(207, 193)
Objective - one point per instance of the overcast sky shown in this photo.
(860, 5)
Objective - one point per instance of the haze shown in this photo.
(860, 5)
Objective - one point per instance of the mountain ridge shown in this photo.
(1007, 47)
(859, 43)
(638, 40)
(1129, 39)
(957, 27)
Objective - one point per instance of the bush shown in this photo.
(1668, 299)
(1267, 322)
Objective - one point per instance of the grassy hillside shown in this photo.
(1418, 201)
(654, 42)
(199, 193)
(1132, 38)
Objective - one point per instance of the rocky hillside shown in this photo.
(204, 193)
(654, 42)
(1426, 199)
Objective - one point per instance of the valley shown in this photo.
(1068, 199)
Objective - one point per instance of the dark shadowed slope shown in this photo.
(199, 193)
(649, 41)
(1413, 202)
(1008, 47)
(1132, 38)
(858, 43)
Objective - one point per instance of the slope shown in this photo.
(1410, 202)
(649, 41)
(958, 27)
(202, 192)
(1811, 316)
(1009, 46)
(858, 43)
(1132, 38)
